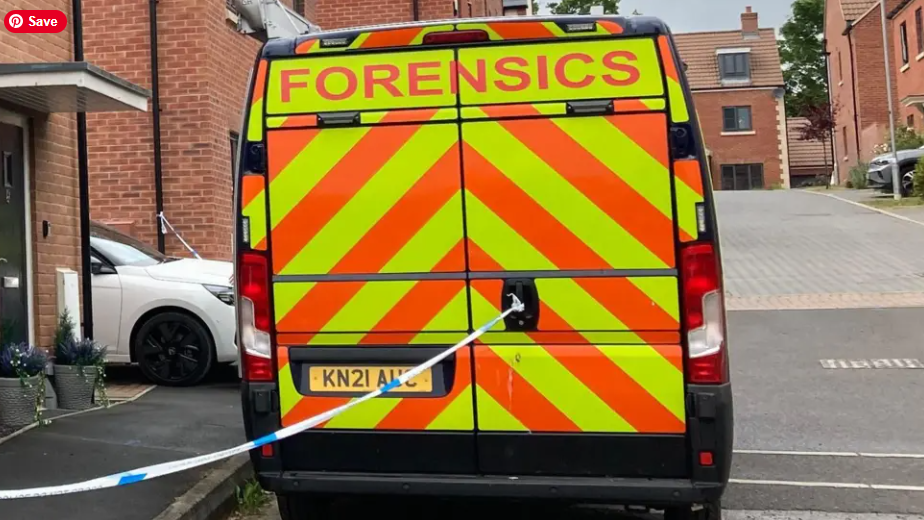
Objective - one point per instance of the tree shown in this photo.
(535, 6)
(583, 6)
(803, 55)
(821, 121)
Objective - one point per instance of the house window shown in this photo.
(735, 66)
(299, 6)
(742, 176)
(919, 28)
(903, 30)
(844, 137)
(736, 119)
(840, 66)
(910, 121)
(235, 139)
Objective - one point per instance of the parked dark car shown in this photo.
(879, 174)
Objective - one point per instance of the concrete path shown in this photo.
(165, 424)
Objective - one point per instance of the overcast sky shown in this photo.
(707, 15)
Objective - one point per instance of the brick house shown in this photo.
(517, 8)
(41, 90)
(203, 71)
(738, 90)
(907, 20)
(856, 70)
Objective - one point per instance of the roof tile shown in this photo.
(852, 9)
(698, 51)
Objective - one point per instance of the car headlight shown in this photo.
(222, 292)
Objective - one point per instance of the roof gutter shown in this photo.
(83, 179)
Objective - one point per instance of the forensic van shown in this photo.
(397, 184)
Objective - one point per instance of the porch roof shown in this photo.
(69, 87)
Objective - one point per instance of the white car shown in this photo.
(174, 317)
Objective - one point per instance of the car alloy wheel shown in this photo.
(173, 349)
(907, 184)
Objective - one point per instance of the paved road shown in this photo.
(778, 243)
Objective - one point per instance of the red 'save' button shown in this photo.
(35, 21)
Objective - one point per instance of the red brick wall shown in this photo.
(909, 82)
(870, 73)
(204, 68)
(842, 88)
(55, 192)
(337, 14)
(761, 147)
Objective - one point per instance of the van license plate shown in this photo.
(365, 379)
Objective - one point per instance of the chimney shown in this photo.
(749, 23)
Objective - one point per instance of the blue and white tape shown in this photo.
(158, 470)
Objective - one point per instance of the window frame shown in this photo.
(737, 110)
(903, 35)
(735, 75)
(749, 172)
(919, 27)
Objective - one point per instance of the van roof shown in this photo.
(629, 25)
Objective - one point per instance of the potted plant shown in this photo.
(78, 367)
(22, 383)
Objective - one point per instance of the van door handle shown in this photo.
(524, 289)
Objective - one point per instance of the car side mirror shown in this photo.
(101, 268)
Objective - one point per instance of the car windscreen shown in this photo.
(121, 249)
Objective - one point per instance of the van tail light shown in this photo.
(704, 314)
(453, 37)
(254, 311)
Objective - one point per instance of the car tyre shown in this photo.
(708, 511)
(174, 349)
(303, 507)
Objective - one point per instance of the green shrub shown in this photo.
(919, 179)
(905, 139)
(858, 176)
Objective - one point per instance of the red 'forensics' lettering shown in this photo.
(387, 82)
(631, 71)
(286, 84)
(328, 72)
(563, 78)
(415, 78)
(503, 68)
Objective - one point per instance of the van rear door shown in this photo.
(569, 205)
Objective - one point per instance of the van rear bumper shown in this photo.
(649, 492)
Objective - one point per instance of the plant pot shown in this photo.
(18, 400)
(74, 385)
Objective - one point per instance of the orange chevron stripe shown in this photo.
(521, 30)
(391, 38)
(630, 105)
(598, 183)
(670, 67)
(403, 220)
(332, 192)
(305, 46)
(318, 306)
(409, 116)
(293, 338)
(619, 391)
(282, 357)
(628, 303)
(526, 216)
(420, 305)
(286, 145)
(310, 406)
(603, 377)
(259, 85)
(514, 393)
(649, 131)
(688, 171)
(251, 187)
(416, 413)
(298, 121)
(610, 26)
(671, 353)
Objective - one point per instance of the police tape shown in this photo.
(167, 468)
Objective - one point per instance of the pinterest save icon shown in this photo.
(35, 21)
